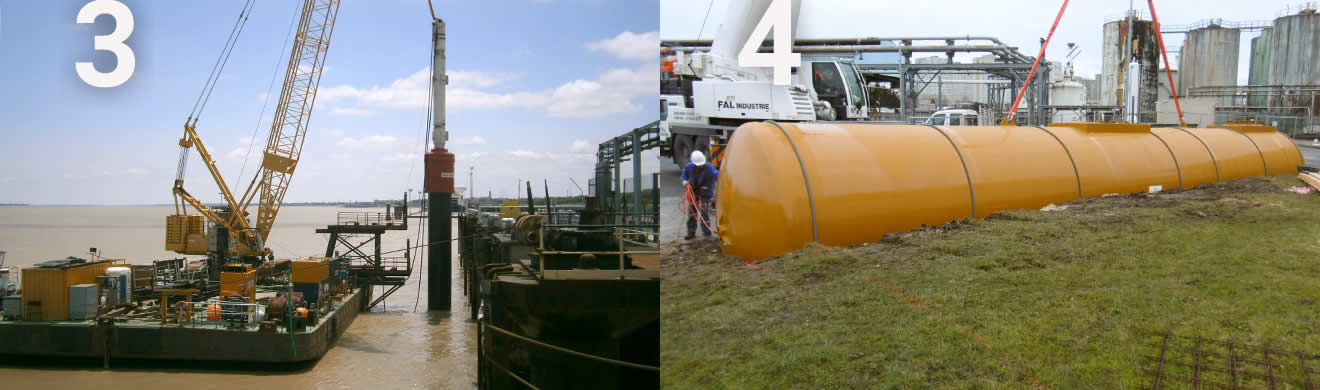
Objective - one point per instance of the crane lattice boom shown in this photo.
(283, 147)
(303, 76)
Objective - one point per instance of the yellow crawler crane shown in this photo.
(185, 233)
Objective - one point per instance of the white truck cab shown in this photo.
(961, 117)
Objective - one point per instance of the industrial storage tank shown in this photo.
(1209, 57)
(1294, 46)
(785, 185)
(1119, 49)
(1258, 70)
(1294, 40)
(1067, 92)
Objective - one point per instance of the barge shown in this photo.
(111, 338)
(280, 312)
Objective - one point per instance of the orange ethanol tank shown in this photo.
(783, 185)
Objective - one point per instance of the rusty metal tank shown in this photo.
(783, 185)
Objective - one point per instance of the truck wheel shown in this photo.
(684, 145)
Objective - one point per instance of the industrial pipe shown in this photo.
(783, 185)
(873, 48)
(832, 41)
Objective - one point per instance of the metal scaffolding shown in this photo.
(609, 160)
(1011, 66)
(999, 95)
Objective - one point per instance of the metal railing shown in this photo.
(1293, 9)
(387, 263)
(639, 238)
(569, 214)
(1203, 23)
(198, 314)
(369, 219)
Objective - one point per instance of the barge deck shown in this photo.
(138, 339)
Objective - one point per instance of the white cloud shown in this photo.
(350, 111)
(464, 98)
(403, 156)
(630, 46)
(468, 156)
(334, 132)
(580, 146)
(373, 142)
(236, 154)
(609, 94)
(520, 153)
(464, 79)
(469, 140)
(335, 93)
(408, 92)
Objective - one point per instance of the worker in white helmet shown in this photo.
(700, 178)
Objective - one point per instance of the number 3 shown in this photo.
(114, 43)
(780, 16)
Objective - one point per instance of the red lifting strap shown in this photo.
(1167, 71)
(1018, 100)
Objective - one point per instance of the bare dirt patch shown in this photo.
(1174, 197)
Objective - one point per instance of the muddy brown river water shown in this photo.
(391, 347)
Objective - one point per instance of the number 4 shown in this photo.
(780, 16)
(114, 43)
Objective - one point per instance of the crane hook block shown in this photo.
(439, 171)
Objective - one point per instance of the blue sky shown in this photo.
(534, 88)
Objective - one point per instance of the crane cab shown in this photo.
(838, 83)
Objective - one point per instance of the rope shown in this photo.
(224, 59)
(266, 102)
(228, 40)
(705, 18)
(1023, 91)
(421, 265)
(572, 352)
(690, 200)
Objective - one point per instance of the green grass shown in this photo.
(1059, 298)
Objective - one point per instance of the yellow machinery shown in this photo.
(239, 279)
(310, 270)
(510, 208)
(184, 233)
(784, 185)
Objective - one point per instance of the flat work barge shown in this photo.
(209, 340)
